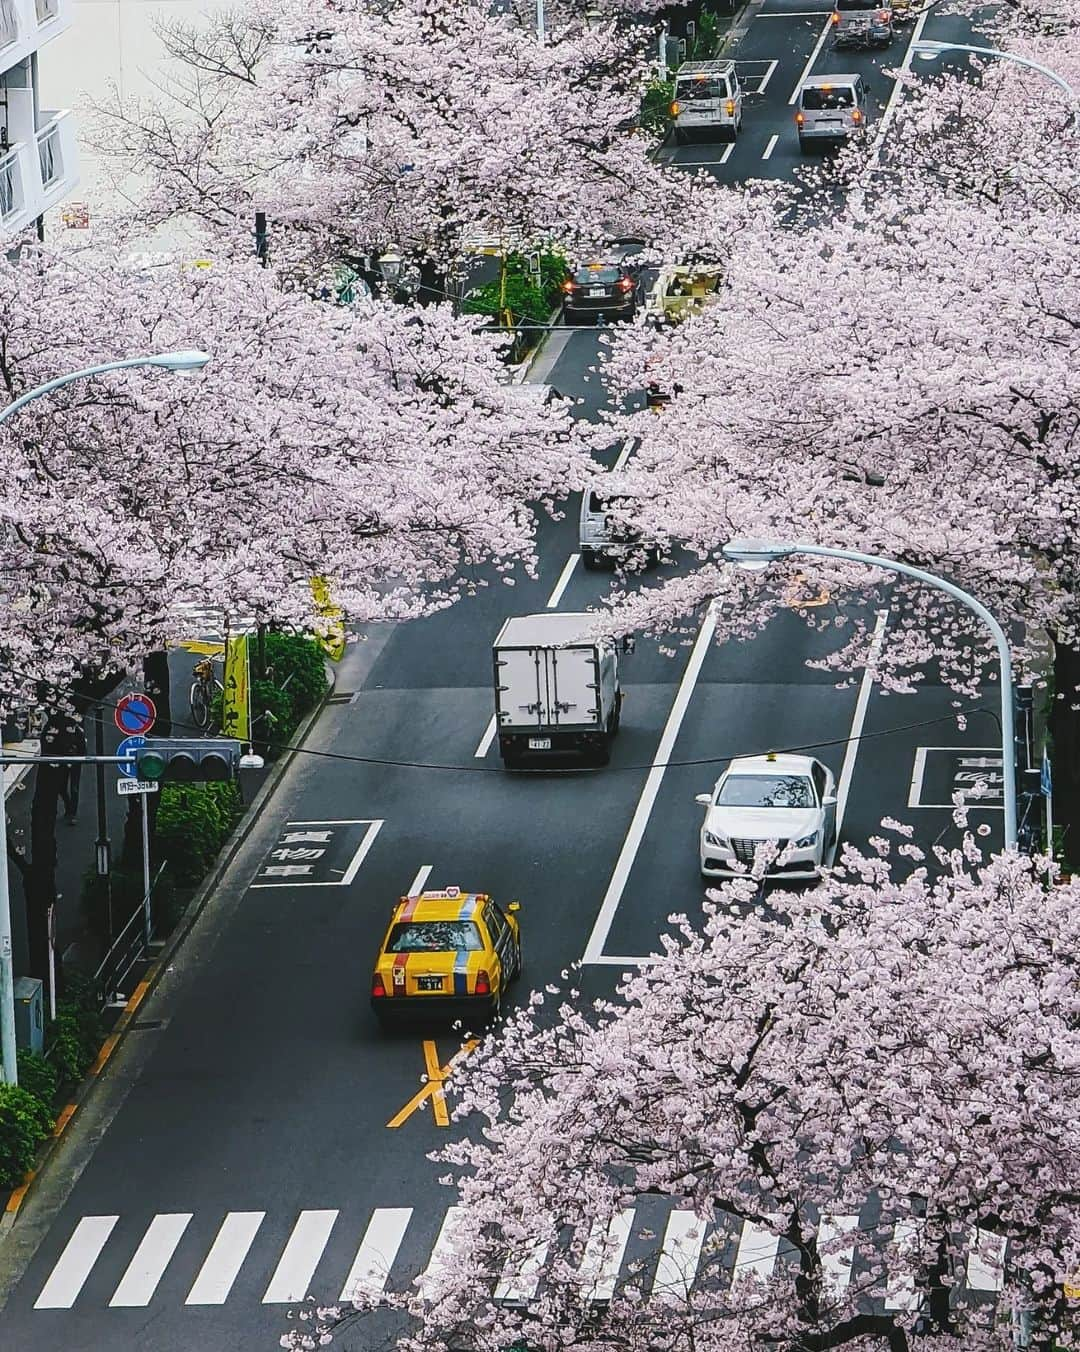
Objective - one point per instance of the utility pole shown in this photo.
(7, 971)
(541, 31)
(102, 847)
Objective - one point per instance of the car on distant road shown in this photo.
(788, 799)
(608, 290)
(831, 109)
(862, 23)
(447, 954)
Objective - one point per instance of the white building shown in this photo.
(38, 158)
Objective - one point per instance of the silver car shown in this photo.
(831, 108)
(788, 800)
(862, 23)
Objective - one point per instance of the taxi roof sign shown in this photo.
(444, 894)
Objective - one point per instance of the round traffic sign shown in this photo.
(135, 714)
(129, 744)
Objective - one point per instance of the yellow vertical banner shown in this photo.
(331, 637)
(236, 699)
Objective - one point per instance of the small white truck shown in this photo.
(556, 693)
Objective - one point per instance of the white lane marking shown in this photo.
(73, 1266)
(630, 846)
(915, 788)
(986, 1261)
(866, 686)
(900, 1292)
(603, 1255)
(757, 1251)
(726, 153)
(768, 76)
(152, 1257)
(521, 1277)
(377, 1251)
(677, 1265)
(628, 444)
(486, 741)
(898, 87)
(417, 884)
(564, 579)
(766, 154)
(794, 14)
(300, 1257)
(226, 1257)
(836, 1266)
(812, 58)
(358, 858)
(440, 1270)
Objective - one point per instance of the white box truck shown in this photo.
(556, 694)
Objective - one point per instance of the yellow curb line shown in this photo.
(16, 1199)
(65, 1117)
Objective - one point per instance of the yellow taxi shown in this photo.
(449, 954)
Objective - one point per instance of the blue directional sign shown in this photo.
(128, 745)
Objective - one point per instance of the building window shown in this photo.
(49, 156)
(10, 195)
(46, 10)
(9, 23)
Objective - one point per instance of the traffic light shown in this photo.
(187, 760)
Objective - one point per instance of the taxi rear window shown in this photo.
(435, 936)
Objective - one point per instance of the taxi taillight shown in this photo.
(377, 987)
(483, 983)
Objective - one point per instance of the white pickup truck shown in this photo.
(556, 693)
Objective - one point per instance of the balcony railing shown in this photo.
(9, 23)
(11, 187)
(50, 155)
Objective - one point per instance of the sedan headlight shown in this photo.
(806, 841)
(712, 839)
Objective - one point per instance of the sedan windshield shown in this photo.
(435, 936)
(766, 791)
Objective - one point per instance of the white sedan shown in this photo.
(787, 799)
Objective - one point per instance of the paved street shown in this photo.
(239, 1155)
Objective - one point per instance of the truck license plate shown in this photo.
(429, 983)
(539, 743)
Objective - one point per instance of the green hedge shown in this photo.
(525, 300)
(193, 823)
(24, 1123)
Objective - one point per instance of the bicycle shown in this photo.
(205, 686)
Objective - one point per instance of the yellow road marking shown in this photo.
(436, 1077)
(16, 1199)
(137, 995)
(107, 1048)
(65, 1117)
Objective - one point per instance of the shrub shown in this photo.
(24, 1123)
(523, 299)
(193, 823)
(299, 669)
(73, 1040)
(38, 1077)
(656, 106)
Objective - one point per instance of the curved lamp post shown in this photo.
(168, 361)
(928, 49)
(758, 554)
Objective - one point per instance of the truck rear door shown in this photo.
(573, 686)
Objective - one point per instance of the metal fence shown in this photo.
(125, 952)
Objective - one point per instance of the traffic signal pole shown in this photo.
(7, 971)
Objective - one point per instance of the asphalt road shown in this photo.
(237, 1156)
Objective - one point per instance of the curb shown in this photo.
(179, 933)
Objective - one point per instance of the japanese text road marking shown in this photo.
(436, 1077)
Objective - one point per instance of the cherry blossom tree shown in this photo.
(364, 127)
(377, 448)
(872, 1071)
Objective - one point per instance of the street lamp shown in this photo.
(169, 361)
(927, 50)
(759, 554)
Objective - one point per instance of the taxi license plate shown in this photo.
(429, 983)
(597, 291)
(539, 743)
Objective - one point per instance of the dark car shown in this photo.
(608, 290)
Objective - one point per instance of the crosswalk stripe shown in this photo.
(677, 1265)
(900, 1293)
(521, 1278)
(431, 1282)
(986, 1261)
(604, 1254)
(73, 1266)
(139, 1282)
(836, 1266)
(377, 1251)
(297, 1264)
(223, 1262)
(757, 1251)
